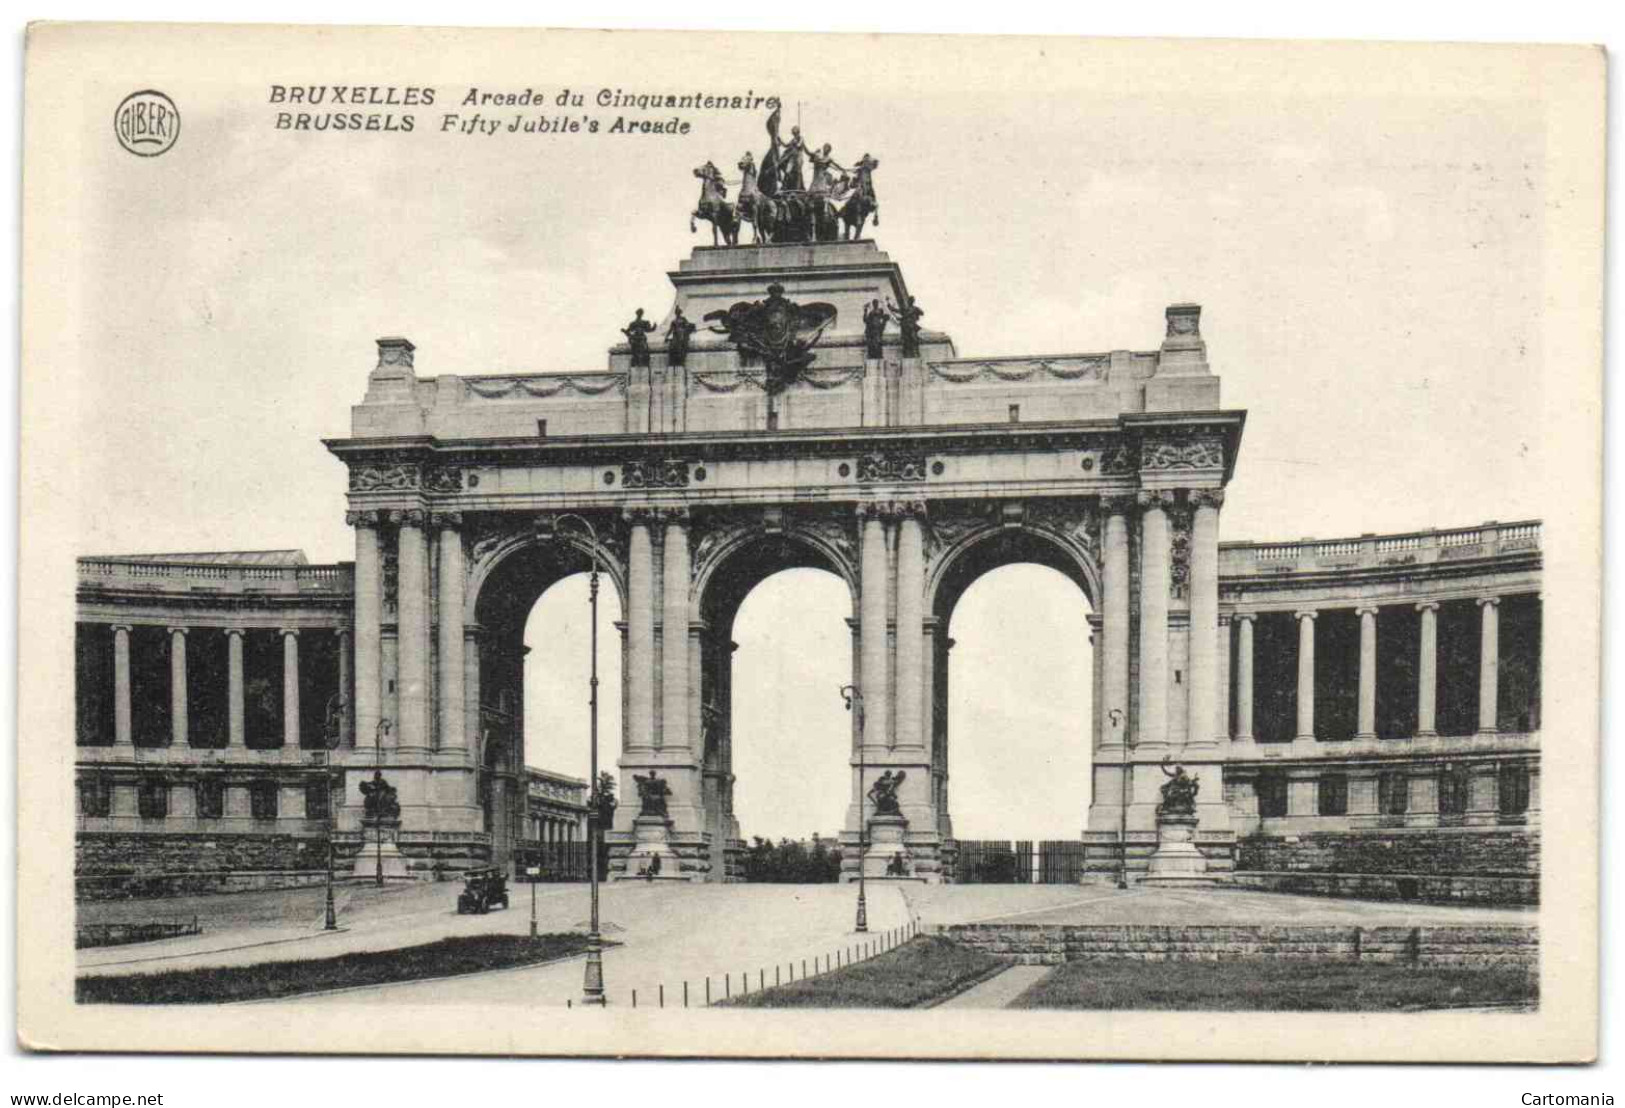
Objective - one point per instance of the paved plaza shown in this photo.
(668, 934)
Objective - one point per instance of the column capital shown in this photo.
(1206, 498)
(177, 630)
(287, 631)
(343, 632)
(1119, 504)
(447, 521)
(1249, 616)
(125, 627)
(367, 517)
(1149, 499)
(640, 516)
(1366, 610)
(240, 632)
(873, 509)
(674, 515)
(1428, 606)
(1492, 601)
(913, 508)
(1305, 613)
(412, 517)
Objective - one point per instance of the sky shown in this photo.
(1369, 261)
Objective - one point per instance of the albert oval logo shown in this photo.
(147, 123)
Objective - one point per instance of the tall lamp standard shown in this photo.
(334, 717)
(378, 734)
(1116, 715)
(592, 988)
(854, 696)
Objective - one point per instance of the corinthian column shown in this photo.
(910, 626)
(872, 604)
(1115, 622)
(1427, 669)
(412, 607)
(1367, 727)
(1204, 636)
(1244, 676)
(453, 710)
(640, 632)
(675, 692)
(1306, 674)
(290, 687)
(1154, 616)
(177, 686)
(1489, 662)
(122, 735)
(369, 611)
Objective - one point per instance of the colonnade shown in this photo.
(1427, 669)
(180, 690)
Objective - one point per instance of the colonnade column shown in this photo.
(472, 721)
(1202, 718)
(453, 709)
(1306, 674)
(640, 631)
(290, 687)
(674, 706)
(1367, 726)
(1489, 662)
(177, 686)
(1244, 675)
(234, 686)
(1427, 669)
(910, 626)
(369, 612)
(872, 625)
(122, 735)
(1154, 616)
(1115, 622)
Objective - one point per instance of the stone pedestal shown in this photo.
(1177, 861)
(652, 850)
(368, 860)
(887, 859)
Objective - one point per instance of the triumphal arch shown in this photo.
(789, 410)
(1352, 715)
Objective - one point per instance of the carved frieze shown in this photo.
(1203, 453)
(1120, 460)
(388, 477)
(655, 473)
(442, 478)
(879, 467)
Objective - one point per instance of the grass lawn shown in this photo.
(1274, 987)
(466, 954)
(919, 970)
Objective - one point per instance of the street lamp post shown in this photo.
(592, 988)
(334, 719)
(378, 734)
(854, 696)
(1116, 715)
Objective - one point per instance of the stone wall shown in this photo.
(117, 865)
(1052, 944)
(1484, 867)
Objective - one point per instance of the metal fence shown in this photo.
(558, 861)
(1018, 862)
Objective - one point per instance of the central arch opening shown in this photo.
(1015, 704)
(777, 737)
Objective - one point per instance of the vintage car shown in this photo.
(483, 889)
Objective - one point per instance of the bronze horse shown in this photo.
(714, 207)
(862, 203)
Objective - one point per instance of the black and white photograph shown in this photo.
(743, 545)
